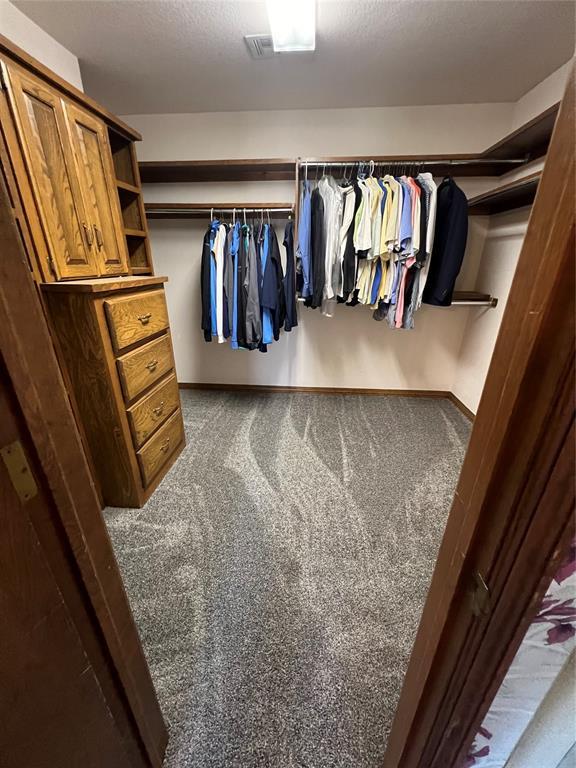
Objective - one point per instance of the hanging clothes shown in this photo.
(372, 243)
(273, 295)
(449, 244)
(291, 320)
(245, 295)
(351, 197)
(206, 285)
(253, 317)
(234, 251)
(304, 241)
(267, 323)
(317, 249)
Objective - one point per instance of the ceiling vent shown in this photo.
(260, 46)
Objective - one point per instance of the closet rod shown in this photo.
(217, 209)
(489, 301)
(407, 162)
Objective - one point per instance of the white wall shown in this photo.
(293, 133)
(496, 268)
(449, 349)
(27, 35)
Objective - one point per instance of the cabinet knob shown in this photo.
(88, 234)
(152, 365)
(158, 410)
(145, 318)
(99, 238)
(165, 445)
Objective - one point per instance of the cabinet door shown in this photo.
(41, 124)
(96, 172)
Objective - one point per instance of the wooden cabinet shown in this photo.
(43, 131)
(126, 392)
(69, 160)
(73, 172)
(95, 170)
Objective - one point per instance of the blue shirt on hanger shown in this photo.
(267, 324)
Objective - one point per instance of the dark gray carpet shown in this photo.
(278, 573)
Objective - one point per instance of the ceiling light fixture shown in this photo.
(293, 24)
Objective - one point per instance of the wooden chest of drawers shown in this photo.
(114, 339)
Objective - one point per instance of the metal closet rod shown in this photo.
(407, 162)
(217, 209)
(489, 302)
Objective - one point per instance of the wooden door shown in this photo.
(41, 123)
(52, 709)
(96, 172)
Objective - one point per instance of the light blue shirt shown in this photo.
(267, 324)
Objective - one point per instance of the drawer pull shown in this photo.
(165, 445)
(145, 318)
(158, 410)
(152, 365)
(88, 234)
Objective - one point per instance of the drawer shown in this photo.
(160, 447)
(136, 317)
(144, 366)
(152, 410)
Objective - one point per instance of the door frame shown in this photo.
(512, 518)
(109, 633)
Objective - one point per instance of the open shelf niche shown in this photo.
(131, 203)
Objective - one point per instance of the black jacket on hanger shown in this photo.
(290, 278)
(449, 244)
(349, 258)
(317, 250)
(273, 284)
(205, 286)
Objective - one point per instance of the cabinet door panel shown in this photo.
(42, 127)
(94, 160)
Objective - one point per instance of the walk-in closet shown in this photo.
(286, 334)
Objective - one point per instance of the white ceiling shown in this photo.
(189, 55)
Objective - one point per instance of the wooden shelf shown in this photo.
(529, 141)
(127, 187)
(103, 284)
(134, 232)
(161, 172)
(200, 210)
(508, 197)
